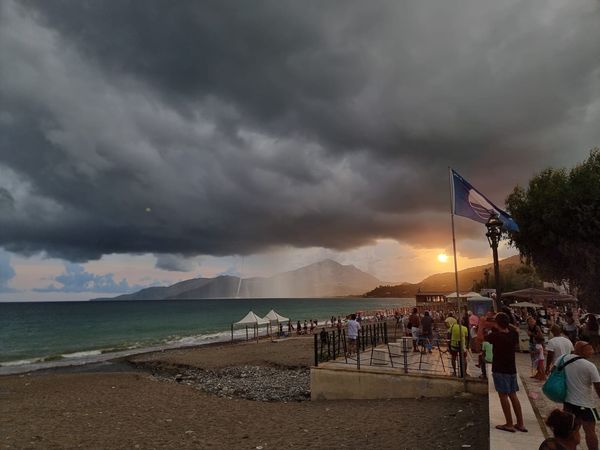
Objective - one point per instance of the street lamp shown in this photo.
(494, 232)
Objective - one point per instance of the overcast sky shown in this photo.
(144, 143)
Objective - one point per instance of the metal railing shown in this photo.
(330, 345)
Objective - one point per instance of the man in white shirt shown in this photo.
(353, 329)
(582, 379)
(556, 347)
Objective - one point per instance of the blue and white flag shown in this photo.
(469, 202)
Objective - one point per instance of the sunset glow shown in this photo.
(442, 257)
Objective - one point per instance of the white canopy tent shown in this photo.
(275, 318)
(250, 320)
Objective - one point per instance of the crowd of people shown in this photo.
(564, 349)
(567, 338)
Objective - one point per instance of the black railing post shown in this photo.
(316, 351)
(358, 352)
(405, 354)
(385, 333)
(334, 344)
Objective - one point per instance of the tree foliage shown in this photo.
(559, 219)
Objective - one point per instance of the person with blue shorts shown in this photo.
(504, 338)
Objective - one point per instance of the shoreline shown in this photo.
(100, 358)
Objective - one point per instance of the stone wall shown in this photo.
(328, 382)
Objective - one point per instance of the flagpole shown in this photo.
(459, 319)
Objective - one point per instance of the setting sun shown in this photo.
(442, 257)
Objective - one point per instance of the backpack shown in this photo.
(555, 387)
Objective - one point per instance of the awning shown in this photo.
(463, 295)
(540, 295)
(525, 305)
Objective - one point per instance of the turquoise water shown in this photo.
(51, 330)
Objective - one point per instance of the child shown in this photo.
(485, 356)
(538, 359)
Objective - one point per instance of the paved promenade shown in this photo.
(503, 440)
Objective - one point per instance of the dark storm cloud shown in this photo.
(231, 127)
(175, 263)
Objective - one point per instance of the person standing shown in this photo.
(533, 330)
(485, 357)
(414, 322)
(590, 332)
(570, 327)
(353, 329)
(406, 324)
(473, 328)
(582, 380)
(459, 338)
(504, 339)
(427, 330)
(556, 347)
(538, 362)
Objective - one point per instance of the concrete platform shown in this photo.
(332, 381)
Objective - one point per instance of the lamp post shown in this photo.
(494, 232)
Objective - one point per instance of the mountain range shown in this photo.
(510, 269)
(326, 278)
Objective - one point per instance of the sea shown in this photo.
(37, 335)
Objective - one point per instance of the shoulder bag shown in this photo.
(555, 387)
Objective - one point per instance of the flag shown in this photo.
(469, 202)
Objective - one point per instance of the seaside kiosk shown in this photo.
(480, 305)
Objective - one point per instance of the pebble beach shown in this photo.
(243, 395)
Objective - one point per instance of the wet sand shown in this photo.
(135, 409)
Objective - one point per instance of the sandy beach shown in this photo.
(150, 403)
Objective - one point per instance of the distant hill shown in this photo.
(322, 279)
(512, 273)
(161, 293)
